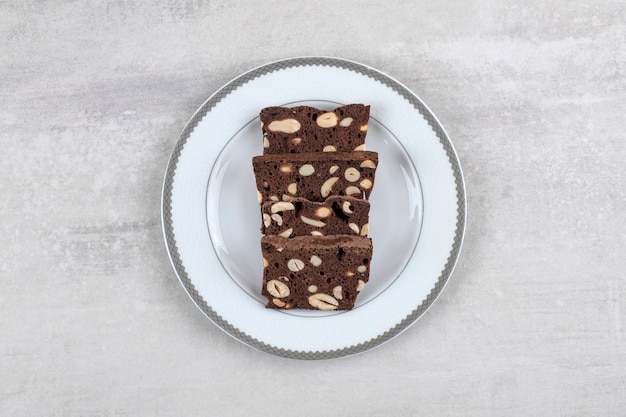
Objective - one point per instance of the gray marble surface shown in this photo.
(93, 321)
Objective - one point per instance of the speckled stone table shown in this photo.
(94, 95)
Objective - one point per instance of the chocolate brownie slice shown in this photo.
(337, 215)
(314, 176)
(307, 129)
(315, 272)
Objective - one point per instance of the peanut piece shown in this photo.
(323, 302)
(323, 212)
(306, 170)
(352, 190)
(285, 169)
(327, 187)
(360, 148)
(365, 229)
(368, 163)
(284, 126)
(278, 303)
(354, 227)
(292, 188)
(366, 184)
(315, 260)
(360, 285)
(267, 220)
(277, 288)
(327, 119)
(312, 222)
(337, 293)
(329, 148)
(352, 174)
(333, 169)
(346, 122)
(266, 142)
(286, 233)
(277, 218)
(361, 269)
(282, 206)
(312, 288)
(295, 265)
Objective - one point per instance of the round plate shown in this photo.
(211, 218)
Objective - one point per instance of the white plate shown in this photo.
(211, 218)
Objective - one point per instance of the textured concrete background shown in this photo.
(93, 95)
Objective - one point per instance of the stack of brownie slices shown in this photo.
(313, 181)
